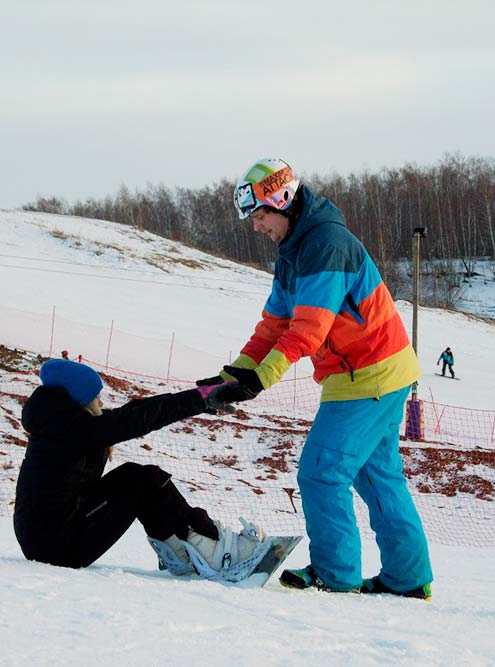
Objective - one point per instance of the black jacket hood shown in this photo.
(48, 410)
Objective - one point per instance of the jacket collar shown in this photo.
(316, 210)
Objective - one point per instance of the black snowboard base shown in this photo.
(447, 376)
(279, 549)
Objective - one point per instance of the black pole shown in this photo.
(418, 234)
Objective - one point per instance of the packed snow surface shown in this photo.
(121, 611)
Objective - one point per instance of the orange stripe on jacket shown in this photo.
(266, 334)
(307, 331)
(379, 344)
(377, 309)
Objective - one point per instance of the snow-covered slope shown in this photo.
(159, 294)
(122, 611)
(96, 271)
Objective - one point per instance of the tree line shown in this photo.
(453, 199)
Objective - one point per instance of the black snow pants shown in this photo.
(131, 491)
(451, 370)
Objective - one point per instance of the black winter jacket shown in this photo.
(67, 452)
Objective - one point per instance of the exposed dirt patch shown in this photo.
(14, 360)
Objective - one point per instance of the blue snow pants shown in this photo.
(356, 444)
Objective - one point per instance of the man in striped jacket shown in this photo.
(328, 302)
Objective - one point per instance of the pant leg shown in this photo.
(343, 437)
(393, 516)
(324, 479)
(444, 366)
(451, 370)
(129, 492)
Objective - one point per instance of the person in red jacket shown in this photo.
(68, 513)
(329, 302)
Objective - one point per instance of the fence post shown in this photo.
(295, 387)
(170, 355)
(438, 418)
(51, 335)
(415, 419)
(108, 346)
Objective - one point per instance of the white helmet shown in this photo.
(268, 182)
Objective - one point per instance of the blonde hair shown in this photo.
(94, 409)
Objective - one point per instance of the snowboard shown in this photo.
(447, 376)
(278, 551)
(255, 570)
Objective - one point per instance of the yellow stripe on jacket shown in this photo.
(393, 373)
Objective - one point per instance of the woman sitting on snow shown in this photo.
(67, 513)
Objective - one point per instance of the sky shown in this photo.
(122, 611)
(94, 95)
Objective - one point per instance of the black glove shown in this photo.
(249, 383)
(199, 521)
(217, 397)
(175, 515)
(229, 392)
(207, 382)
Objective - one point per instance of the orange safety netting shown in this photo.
(246, 464)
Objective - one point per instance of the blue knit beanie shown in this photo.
(82, 383)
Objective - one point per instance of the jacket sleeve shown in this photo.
(275, 320)
(323, 279)
(134, 419)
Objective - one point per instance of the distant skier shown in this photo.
(65, 354)
(448, 360)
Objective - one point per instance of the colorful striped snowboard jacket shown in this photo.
(328, 302)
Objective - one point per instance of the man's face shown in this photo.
(270, 222)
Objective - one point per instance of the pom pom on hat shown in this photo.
(82, 383)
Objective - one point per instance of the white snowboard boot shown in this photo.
(233, 557)
(172, 556)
